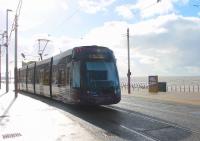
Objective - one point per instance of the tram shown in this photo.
(83, 75)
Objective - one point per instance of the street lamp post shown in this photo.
(0, 62)
(129, 72)
(7, 83)
(2, 35)
(1, 44)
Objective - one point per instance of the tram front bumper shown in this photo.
(99, 100)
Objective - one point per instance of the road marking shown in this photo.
(139, 133)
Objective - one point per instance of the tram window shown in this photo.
(30, 76)
(46, 75)
(37, 76)
(59, 77)
(22, 77)
(41, 75)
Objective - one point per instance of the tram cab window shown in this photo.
(101, 74)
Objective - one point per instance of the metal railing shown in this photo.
(184, 88)
(169, 88)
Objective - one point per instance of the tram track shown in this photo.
(155, 120)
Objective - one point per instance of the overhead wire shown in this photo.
(68, 18)
(151, 5)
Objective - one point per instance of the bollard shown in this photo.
(184, 88)
(193, 88)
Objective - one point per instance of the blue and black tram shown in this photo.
(82, 75)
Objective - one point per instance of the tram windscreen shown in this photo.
(101, 75)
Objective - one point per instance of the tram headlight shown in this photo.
(91, 93)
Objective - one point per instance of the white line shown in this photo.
(138, 133)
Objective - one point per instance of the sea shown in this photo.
(170, 80)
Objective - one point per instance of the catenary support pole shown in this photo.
(7, 80)
(16, 76)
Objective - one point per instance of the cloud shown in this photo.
(34, 13)
(167, 45)
(147, 8)
(124, 11)
(93, 6)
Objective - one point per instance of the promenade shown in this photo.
(177, 97)
(28, 119)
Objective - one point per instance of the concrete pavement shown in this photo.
(177, 97)
(27, 119)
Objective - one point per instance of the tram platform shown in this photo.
(28, 119)
(177, 97)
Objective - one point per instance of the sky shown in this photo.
(164, 35)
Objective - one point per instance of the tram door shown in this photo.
(68, 79)
(41, 82)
